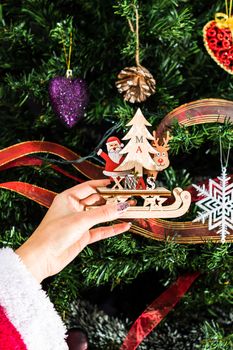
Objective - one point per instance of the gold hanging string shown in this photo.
(226, 3)
(68, 57)
(136, 32)
(228, 9)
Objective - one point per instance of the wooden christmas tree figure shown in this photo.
(138, 149)
(136, 174)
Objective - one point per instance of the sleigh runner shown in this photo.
(152, 202)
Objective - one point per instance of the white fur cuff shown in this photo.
(28, 307)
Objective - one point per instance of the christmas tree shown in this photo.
(121, 275)
(138, 149)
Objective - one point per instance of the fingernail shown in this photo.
(121, 207)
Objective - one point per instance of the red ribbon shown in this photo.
(157, 310)
(19, 150)
(211, 110)
(33, 192)
(33, 161)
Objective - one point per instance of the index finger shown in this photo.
(87, 188)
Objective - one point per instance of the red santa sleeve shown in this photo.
(28, 320)
(10, 338)
(103, 155)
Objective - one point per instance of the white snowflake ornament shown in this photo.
(217, 205)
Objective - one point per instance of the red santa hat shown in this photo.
(114, 139)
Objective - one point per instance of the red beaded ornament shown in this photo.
(219, 44)
(218, 38)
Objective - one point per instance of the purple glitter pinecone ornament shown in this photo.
(69, 98)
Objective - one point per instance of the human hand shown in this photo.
(66, 229)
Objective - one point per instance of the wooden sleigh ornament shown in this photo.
(133, 169)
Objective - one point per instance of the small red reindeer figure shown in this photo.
(161, 156)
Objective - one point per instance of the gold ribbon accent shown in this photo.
(224, 21)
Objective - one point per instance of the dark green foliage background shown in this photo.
(172, 49)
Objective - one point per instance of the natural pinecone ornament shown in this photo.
(135, 83)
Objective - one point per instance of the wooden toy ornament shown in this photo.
(133, 169)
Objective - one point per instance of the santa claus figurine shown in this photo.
(113, 159)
